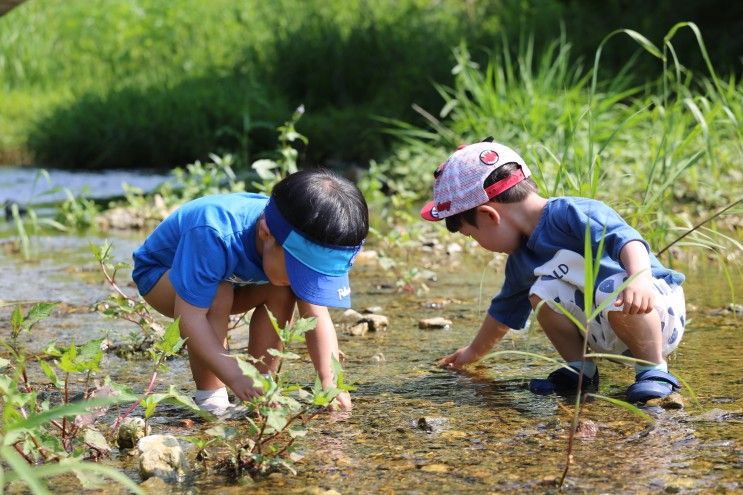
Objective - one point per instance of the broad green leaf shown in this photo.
(73, 409)
(276, 418)
(16, 320)
(223, 432)
(171, 341)
(175, 397)
(77, 359)
(95, 439)
(283, 354)
(3, 363)
(247, 369)
(37, 313)
(50, 374)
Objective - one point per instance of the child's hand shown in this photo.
(638, 297)
(244, 389)
(342, 402)
(458, 359)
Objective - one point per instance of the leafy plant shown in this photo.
(273, 170)
(277, 417)
(45, 432)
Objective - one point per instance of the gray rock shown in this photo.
(359, 329)
(377, 323)
(162, 456)
(352, 316)
(432, 424)
(130, 431)
(432, 323)
(372, 310)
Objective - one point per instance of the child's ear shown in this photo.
(264, 233)
(491, 213)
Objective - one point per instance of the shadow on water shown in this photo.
(416, 428)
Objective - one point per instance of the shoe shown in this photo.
(564, 382)
(652, 384)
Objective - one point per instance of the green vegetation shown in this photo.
(125, 83)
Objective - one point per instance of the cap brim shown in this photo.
(427, 212)
(315, 287)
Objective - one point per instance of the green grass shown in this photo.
(649, 150)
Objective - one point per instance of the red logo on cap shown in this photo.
(443, 206)
(489, 157)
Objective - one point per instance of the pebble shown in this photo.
(432, 323)
(673, 401)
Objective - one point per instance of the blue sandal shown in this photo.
(563, 381)
(652, 384)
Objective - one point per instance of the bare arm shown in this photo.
(204, 344)
(490, 333)
(322, 343)
(638, 296)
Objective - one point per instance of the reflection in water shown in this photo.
(488, 434)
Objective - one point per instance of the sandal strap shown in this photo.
(659, 376)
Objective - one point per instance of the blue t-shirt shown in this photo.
(204, 242)
(555, 250)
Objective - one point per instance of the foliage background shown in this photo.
(155, 83)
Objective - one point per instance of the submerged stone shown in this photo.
(162, 456)
(433, 323)
(130, 431)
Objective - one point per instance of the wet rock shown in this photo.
(586, 429)
(373, 310)
(162, 456)
(120, 218)
(352, 316)
(436, 303)
(432, 424)
(377, 323)
(435, 468)
(718, 416)
(673, 401)
(378, 358)
(131, 430)
(433, 323)
(359, 329)
(453, 248)
(155, 485)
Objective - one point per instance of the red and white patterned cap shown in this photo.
(459, 180)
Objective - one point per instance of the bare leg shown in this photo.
(641, 333)
(562, 332)
(280, 301)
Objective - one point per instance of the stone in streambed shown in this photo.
(163, 456)
(433, 323)
(131, 430)
(673, 401)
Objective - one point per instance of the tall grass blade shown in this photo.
(624, 405)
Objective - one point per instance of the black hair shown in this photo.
(513, 194)
(325, 207)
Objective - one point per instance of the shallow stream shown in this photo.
(483, 432)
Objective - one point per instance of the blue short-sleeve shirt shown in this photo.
(203, 243)
(559, 236)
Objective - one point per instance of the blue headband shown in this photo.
(318, 273)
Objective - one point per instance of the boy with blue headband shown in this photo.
(229, 253)
(484, 191)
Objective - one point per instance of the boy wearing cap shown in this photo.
(229, 253)
(484, 191)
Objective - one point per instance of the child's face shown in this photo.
(274, 265)
(493, 232)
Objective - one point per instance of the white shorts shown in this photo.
(669, 303)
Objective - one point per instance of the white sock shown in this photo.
(214, 401)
